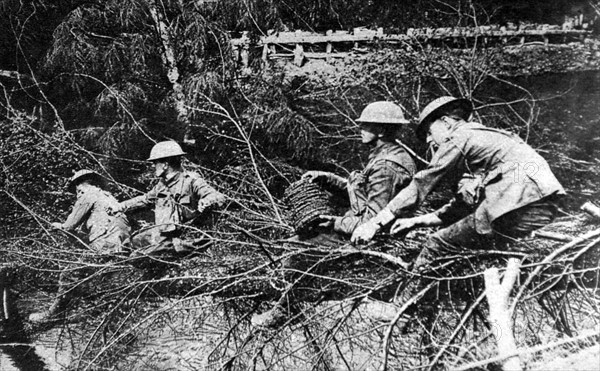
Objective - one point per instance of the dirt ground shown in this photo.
(585, 360)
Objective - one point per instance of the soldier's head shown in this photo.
(380, 121)
(83, 178)
(435, 118)
(166, 157)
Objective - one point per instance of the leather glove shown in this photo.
(115, 208)
(315, 176)
(327, 221)
(403, 226)
(202, 207)
(365, 232)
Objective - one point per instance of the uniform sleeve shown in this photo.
(80, 212)
(453, 211)
(208, 197)
(138, 202)
(445, 159)
(336, 183)
(383, 181)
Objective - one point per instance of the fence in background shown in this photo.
(301, 45)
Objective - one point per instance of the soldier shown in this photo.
(390, 169)
(178, 197)
(106, 233)
(517, 191)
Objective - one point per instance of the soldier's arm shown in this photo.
(336, 182)
(383, 180)
(445, 160)
(451, 212)
(145, 200)
(208, 197)
(404, 225)
(462, 204)
(329, 181)
(78, 215)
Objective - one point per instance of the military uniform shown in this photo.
(389, 170)
(176, 201)
(518, 189)
(106, 233)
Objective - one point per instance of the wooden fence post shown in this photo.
(500, 316)
(265, 54)
(328, 47)
(245, 50)
(268, 49)
(298, 55)
(299, 51)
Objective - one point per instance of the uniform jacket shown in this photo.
(389, 170)
(513, 174)
(103, 229)
(176, 200)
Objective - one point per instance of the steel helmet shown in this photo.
(80, 176)
(165, 149)
(437, 108)
(383, 113)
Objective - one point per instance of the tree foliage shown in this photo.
(95, 90)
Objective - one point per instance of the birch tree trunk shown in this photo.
(170, 63)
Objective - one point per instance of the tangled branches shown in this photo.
(195, 313)
(199, 309)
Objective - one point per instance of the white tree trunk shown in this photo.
(170, 63)
(500, 317)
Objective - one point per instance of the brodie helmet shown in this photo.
(81, 176)
(165, 149)
(437, 108)
(383, 112)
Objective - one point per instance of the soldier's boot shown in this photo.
(58, 305)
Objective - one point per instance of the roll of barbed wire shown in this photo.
(305, 202)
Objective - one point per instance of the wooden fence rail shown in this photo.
(293, 43)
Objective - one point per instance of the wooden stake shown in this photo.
(500, 316)
(299, 55)
(6, 304)
(328, 47)
(244, 50)
(591, 209)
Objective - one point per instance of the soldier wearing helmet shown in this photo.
(389, 169)
(516, 193)
(179, 197)
(107, 232)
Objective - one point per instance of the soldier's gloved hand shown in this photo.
(403, 226)
(327, 221)
(57, 225)
(365, 232)
(202, 207)
(115, 209)
(315, 176)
